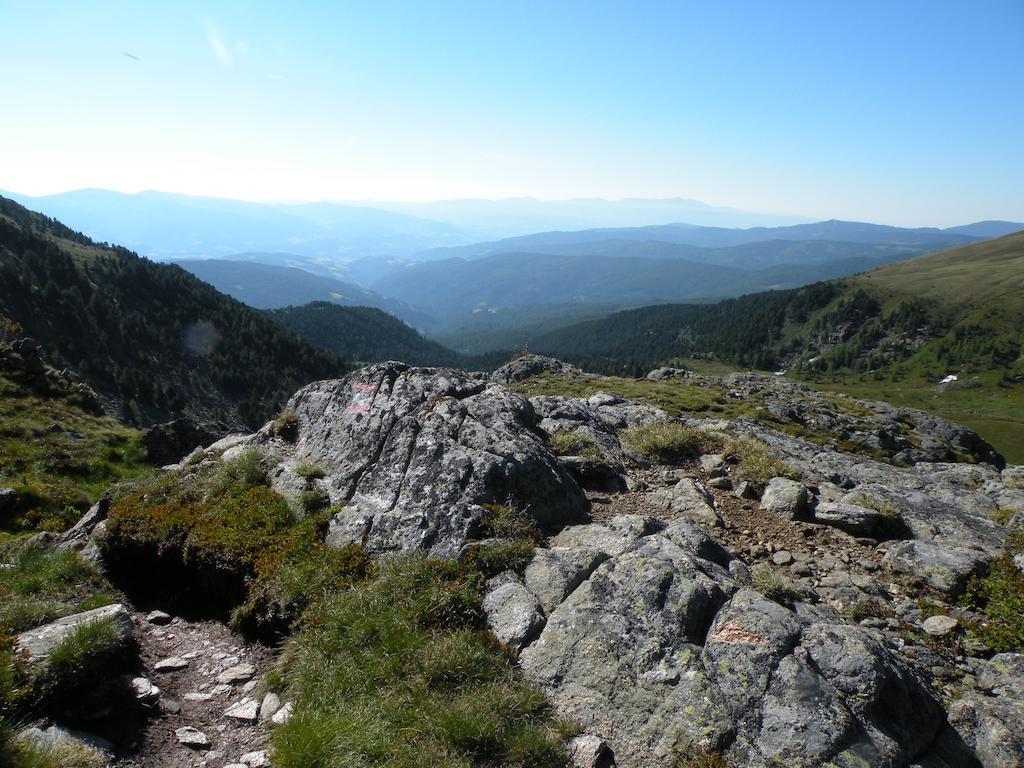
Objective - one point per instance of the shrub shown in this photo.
(309, 472)
(665, 441)
(286, 425)
(1003, 515)
(694, 756)
(755, 462)
(868, 607)
(776, 587)
(567, 443)
(314, 500)
(82, 654)
(240, 473)
(1000, 597)
(454, 697)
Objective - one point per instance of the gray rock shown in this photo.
(612, 539)
(170, 664)
(937, 626)
(269, 706)
(77, 745)
(746, 490)
(667, 374)
(158, 617)
(247, 710)
(855, 520)
(236, 674)
(686, 499)
(554, 573)
(40, 642)
(946, 568)
(283, 714)
(192, 738)
(413, 453)
(532, 365)
(589, 751)
(989, 720)
(660, 648)
(144, 690)
(720, 483)
(786, 498)
(513, 614)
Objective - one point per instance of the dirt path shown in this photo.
(203, 671)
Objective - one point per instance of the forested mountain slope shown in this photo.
(151, 339)
(362, 334)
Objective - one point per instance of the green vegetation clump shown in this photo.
(58, 457)
(755, 462)
(454, 697)
(568, 443)
(665, 441)
(694, 756)
(1003, 515)
(1000, 597)
(80, 659)
(38, 585)
(776, 587)
(26, 753)
(869, 608)
(309, 472)
(314, 500)
(511, 536)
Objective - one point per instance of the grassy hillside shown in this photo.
(362, 334)
(893, 333)
(152, 339)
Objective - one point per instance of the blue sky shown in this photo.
(905, 112)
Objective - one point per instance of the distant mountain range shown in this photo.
(269, 286)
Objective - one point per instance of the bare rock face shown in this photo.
(411, 454)
(660, 649)
(532, 365)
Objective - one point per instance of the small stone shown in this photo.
(220, 690)
(144, 690)
(720, 483)
(247, 710)
(588, 751)
(192, 738)
(937, 626)
(196, 696)
(158, 617)
(782, 557)
(259, 759)
(169, 706)
(283, 714)
(170, 664)
(269, 706)
(746, 490)
(237, 674)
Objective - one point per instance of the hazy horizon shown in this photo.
(908, 115)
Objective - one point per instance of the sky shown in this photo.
(908, 112)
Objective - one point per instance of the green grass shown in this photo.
(995, 412)
(58, 458)
(999, 595)
(453, 695)
(755, 461)
(27, 754)
(569, 443)
(665, 441)
(40, 585)
(776, 587)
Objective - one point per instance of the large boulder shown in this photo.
(411, 455)
(525, 366)
(660, 650)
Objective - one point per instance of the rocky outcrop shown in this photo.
(660, 648)
(22, 361)
(945, 508)
(525, 366)
(411, 455)
(991, 719)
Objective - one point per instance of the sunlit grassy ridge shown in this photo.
(58, 458)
